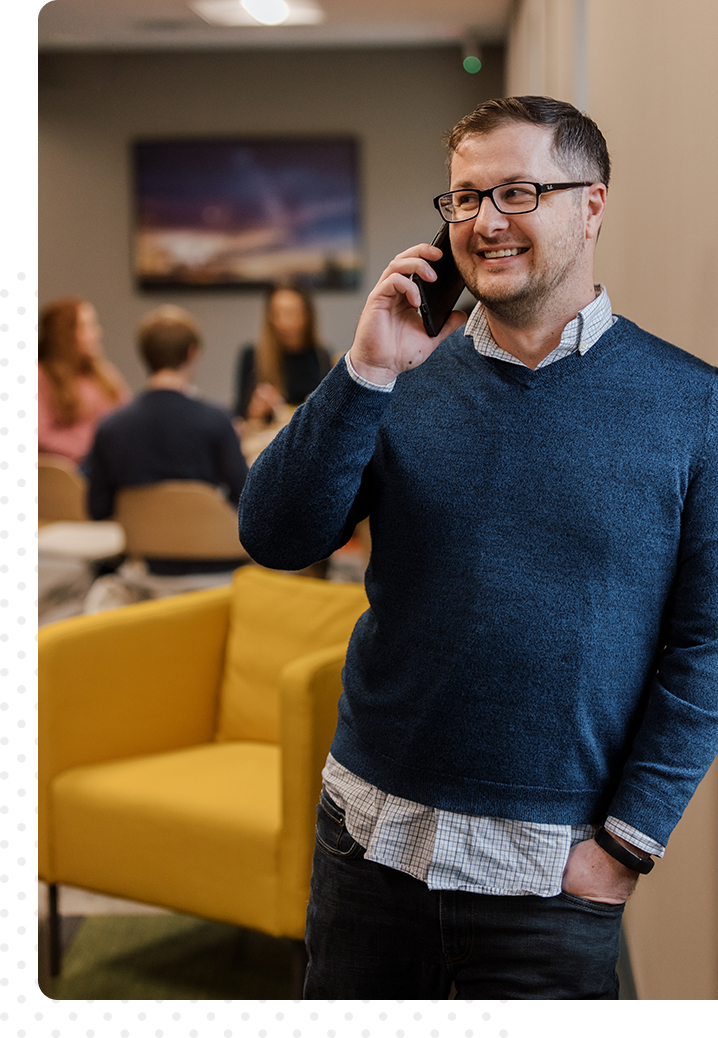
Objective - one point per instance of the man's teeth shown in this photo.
(500, 253)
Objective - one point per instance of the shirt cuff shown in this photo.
(364, 382)
(644, 843)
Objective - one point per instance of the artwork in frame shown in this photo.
(247, 212)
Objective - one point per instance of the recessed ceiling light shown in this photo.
(258, 12)
(268, 12)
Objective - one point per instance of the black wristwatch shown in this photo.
(621, 853)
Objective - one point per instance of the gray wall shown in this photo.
(397, 102)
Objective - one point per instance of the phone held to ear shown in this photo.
(439, 297)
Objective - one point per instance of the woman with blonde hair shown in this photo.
(287, 363)
(77, 386)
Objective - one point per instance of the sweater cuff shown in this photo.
(644, 843)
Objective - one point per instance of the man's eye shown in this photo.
(465, 200)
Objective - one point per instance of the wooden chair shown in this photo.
(61, 490)
(182, 743)
(178, 519)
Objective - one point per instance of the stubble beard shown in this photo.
(520, 305)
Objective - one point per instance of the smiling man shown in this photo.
(532, 697)
(521, 264)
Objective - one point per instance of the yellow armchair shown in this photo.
(181, 746)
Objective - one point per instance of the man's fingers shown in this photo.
(422, 249)
(397, 284)
(414, 261)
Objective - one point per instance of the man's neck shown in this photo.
(170, 378)
(532, 342)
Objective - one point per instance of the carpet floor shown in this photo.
(170, 956)
(181, 957)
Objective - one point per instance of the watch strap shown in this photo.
(621, 853)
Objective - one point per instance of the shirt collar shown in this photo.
(578, 336)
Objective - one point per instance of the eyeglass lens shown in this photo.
(508, 198)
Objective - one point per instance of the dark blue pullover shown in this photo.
(542, 642)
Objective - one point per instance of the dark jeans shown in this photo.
(375, 932)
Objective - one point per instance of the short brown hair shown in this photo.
(578, 144)
(165, 337)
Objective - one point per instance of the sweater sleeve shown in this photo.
(304, 493)
(678, 736)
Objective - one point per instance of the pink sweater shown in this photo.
(74, 441)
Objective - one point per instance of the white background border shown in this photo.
(24, 1010)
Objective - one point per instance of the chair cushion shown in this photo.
(195, 830)
(274, 619)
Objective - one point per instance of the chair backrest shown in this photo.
(275, 619)
(178, 519)
(61, 490)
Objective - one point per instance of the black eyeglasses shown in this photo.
(509, 199)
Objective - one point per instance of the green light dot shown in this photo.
(472, 64)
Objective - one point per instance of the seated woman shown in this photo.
(287, 363)
(77, 386)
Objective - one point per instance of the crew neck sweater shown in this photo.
(542, 638)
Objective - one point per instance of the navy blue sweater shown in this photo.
(163, 434)
(542, 642)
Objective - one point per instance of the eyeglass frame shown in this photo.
(489, 193)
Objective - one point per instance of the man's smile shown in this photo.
(501, 253)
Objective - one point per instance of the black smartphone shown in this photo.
(439, 297)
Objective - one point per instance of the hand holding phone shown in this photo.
(391, 336)
(439, 297)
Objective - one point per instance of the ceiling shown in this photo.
(171, 24)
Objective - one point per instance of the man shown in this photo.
(166, 433)
(531, 699)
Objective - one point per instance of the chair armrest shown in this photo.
(125, 682)
(309, 693)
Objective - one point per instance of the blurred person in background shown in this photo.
(77, 386)
(166, 433)
(287, 363)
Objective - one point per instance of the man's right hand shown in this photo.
(390, 337)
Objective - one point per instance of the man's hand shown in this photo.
(593, 874)
(390, 336)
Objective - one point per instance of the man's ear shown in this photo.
(596, 208)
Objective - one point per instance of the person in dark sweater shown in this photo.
(532, 697)
(166, 433)
(287, 362)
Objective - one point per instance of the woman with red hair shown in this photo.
(77, 386)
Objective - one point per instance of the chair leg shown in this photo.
(54, 930)
(298, 968)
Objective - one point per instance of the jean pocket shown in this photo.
(595, 907)
(331, 831)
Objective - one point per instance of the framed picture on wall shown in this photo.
(246, 212)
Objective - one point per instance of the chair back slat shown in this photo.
(61, 490)
(178, 519)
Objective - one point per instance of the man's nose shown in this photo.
(489, 220)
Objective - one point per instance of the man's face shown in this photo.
(550, 265)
